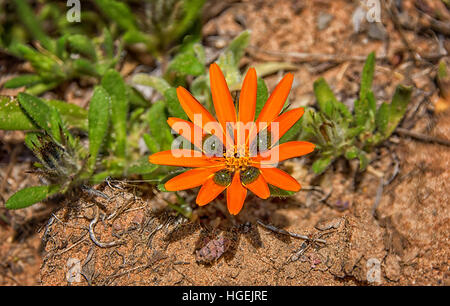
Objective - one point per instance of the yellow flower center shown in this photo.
(237, 160)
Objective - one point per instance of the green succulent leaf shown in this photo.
(83, 45)
(382, 118)
(113, 83)
(173, 104)
(157, 83)
(151, 143)
(278, 192)
(12, 116)
(321, 164)
(187, 63)
(99, 117)
(37, 110)
(159, 128)
(40, 88)
(192, 10)
(108, 43)
(30, 195)
(23, 80)
(84, 66)
(351, 153)
(363, 160)
(367, 76)
(325, 97)
(237, 46)
(33, 25)
(397, 109)
(17, 117)
(141, 166)
(262, 94)
(118, 12)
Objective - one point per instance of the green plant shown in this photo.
(162, 23)
(338, 132)
(63, 161)
(73, 56)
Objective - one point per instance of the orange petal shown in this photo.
(285, 122)
(223, 103)
(191, 178)
(285, 151)
(247, 98)
(280, 179)
(276, 100)
(192, 107)
(183, 158)
(195, 136)
(259, 187)
(236, 195)
(209, 191)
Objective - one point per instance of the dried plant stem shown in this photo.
(284, 232)
(422, 137)
(94, 239)
(308, 57)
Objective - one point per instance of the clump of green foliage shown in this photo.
(72, 56)
(162, 23)
(338, 132)
(64, 162)
(151, 26)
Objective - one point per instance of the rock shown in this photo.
(323, 21)
(376, 31)
(327, 224)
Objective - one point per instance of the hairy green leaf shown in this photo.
(141, 166)
(23, 80)
(28, 18)
(37, 110)
(99, 112)
(83, 45)
(173, 104)
(118, 12)
(367, 76)
(278, 192)
(325, 97)
(382, 118)
(30, 195)
(262, 94)
(159, 128)
(12, 116)
(321, 164)
(157, 83)
(397, 108)
(116, 88)
(186, 63)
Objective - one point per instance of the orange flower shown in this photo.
(250, 151)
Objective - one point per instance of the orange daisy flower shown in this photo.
(236, 152)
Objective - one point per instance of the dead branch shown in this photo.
(422, 137)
